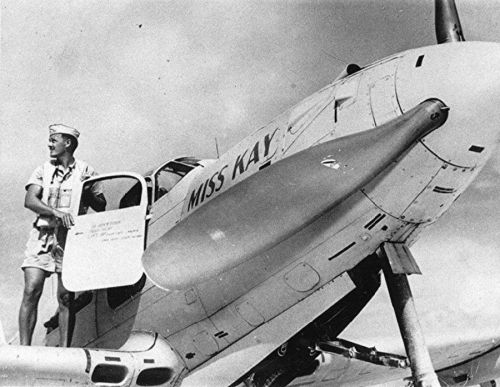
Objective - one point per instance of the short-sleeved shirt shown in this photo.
(62, 181)
(44, 249)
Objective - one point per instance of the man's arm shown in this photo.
(92, 195)
(32, 202)
(96, 200)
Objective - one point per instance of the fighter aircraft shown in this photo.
(259, 259)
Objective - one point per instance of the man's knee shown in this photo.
(32, 292)
(34, 279)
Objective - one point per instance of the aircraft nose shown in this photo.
(466, 77)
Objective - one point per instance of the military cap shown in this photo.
(63, 129)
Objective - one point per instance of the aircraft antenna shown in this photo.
(217, 147)
(447, 22)
(334, 57)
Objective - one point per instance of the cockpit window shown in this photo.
(168, 176)
(166, 179)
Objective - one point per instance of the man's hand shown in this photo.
(94, 200)
(65, 218)
(32, 201)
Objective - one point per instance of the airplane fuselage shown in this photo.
(289, 259)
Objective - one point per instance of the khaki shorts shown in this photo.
(43, 250)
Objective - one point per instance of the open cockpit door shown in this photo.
(104, 249)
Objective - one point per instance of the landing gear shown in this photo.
(398, 263)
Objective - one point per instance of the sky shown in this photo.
(147, 81)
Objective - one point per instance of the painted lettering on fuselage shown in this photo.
(260, 152)
(207, 189)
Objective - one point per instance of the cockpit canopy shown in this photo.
(164, 178)
(160, 180)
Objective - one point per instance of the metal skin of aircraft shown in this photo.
(257, 261)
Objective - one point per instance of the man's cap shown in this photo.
(63, 129)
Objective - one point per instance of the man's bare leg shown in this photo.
(66, 317)
(34, 279)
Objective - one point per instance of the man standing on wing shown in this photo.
(49, 194)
